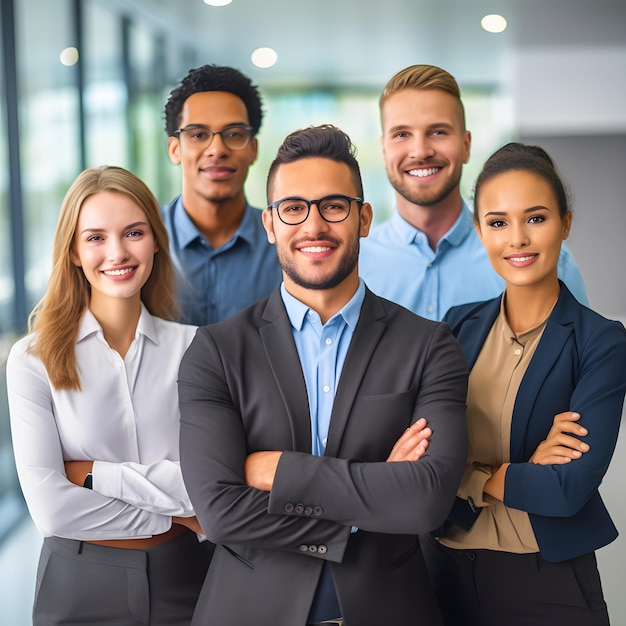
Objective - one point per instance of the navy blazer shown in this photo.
(579, 365)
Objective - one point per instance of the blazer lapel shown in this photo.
(556, 333)
(282, 356)
(475, 329)
(366, 336)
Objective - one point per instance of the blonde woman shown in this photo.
(95, 422)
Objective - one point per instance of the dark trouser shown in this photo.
(79, 583)
(490, 588)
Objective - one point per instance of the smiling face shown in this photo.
(317, 255)
(521, 228)
(425, 145)
(215, 174)
(114, 245)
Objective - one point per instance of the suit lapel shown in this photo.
(556, 333)
(474, 331)
(366, 336)
(282, 356)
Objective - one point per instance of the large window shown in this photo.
(49, 128)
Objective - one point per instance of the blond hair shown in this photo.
(56, 318)
(422, 77)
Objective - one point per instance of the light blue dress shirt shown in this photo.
(322, 350)
(215, 284)
(397, 263)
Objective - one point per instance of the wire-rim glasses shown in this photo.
(234, 136)
(334, 208)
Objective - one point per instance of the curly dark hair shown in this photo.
(214, 78)
(325, 141)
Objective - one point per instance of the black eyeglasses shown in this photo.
(335, 208)
(235, 136)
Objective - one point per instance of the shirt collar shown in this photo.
(455, 236)
(187, 232)
(89, 326)
(297, 311)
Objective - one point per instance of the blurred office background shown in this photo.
(83, 83)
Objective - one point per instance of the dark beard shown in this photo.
(345, 268)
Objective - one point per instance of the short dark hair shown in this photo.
(521, 157)
(214, 78)
(326, 142)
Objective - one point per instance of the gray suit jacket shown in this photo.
(242, 390)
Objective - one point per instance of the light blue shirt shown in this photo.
(322, 349)
(215, 284)
(397, 263)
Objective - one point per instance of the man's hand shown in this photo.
(412, 443)
(562, 444)
(260, 469)
(76, 471)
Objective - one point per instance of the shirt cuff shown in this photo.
(473, 484)
(107, 479)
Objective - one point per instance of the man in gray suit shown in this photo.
(304, 444)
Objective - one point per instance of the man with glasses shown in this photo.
(323, 427)
(217, 241)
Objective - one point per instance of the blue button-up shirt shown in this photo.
(215, 284)
(322, 349)
(397, 263)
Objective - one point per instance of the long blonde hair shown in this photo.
(56, 318)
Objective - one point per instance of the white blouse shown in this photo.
(125, 418)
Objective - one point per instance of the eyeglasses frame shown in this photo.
(245, 127)
(309, 203)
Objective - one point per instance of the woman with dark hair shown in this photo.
(546, 391)
(95, 420)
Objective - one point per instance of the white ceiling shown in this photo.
(362, 43)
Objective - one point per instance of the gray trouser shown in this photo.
(80, 583)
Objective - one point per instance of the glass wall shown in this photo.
(91, 86)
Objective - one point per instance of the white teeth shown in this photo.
(523, 259)
(422, 173)
(315, 249)
(126, 270)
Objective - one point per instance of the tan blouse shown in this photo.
(493, 385)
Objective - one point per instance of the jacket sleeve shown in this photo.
(404, 497)
(57, 506)
(213, 450)
(562, 490)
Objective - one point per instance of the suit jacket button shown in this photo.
(308, 510)
(299, 509)
(317, 510)
(303, 548)
(312, 548)
(288, 507)
(322, 549)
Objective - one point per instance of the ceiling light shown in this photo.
(493, 23)
(217, 3)
(69, 56)
(264, 57)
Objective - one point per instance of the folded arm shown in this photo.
(57, 505)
